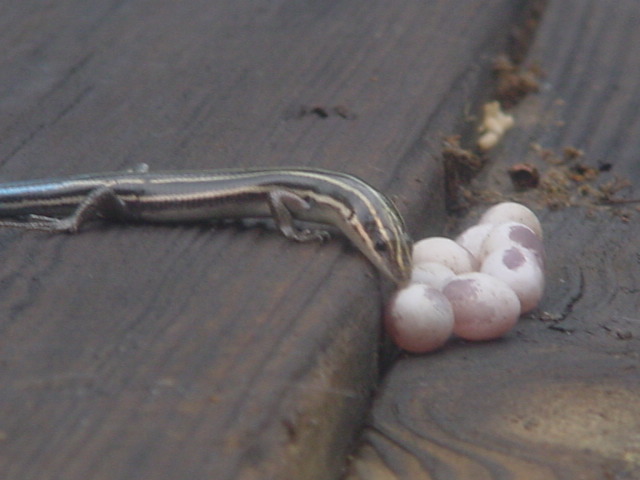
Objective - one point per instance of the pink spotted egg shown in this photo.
(484, 307)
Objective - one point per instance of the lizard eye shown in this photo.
(381, 246)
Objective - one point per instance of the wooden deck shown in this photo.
(132, 352)
(558, 398)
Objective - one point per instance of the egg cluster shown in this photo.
(475, 286)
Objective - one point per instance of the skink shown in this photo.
(360, 212)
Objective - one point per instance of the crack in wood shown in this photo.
(558, 318)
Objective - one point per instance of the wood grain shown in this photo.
(196, 352)
(558, 398)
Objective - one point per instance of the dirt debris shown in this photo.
(560, 179)
(461, 165)
(524, 176)
(514, 82)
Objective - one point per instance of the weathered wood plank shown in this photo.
(157, 352)
(559, 397)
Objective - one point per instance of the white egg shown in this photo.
(484, 307)
(520, 270)
(430, 273)
(419, 318)
(512, 234)
(472, 238)
(445, 251)
(512, 212)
